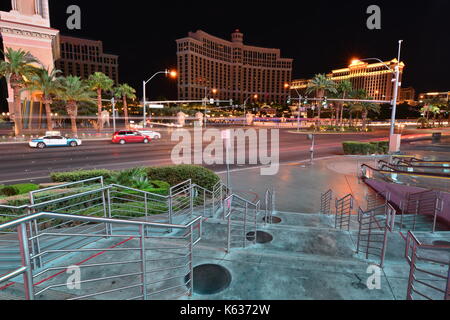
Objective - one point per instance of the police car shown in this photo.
(54, 140)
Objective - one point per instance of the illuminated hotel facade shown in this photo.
(230, 68)
(375, 78)
(83, 57)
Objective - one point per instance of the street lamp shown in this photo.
(172, 74)
(397, 85)
(299, 104)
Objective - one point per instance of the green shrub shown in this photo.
(177, 174)
(10, 191)
(26, 187)
(79, 175)
(363, 148)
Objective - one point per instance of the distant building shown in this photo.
(407, 95)
(83, 57)
(235, 70)
(443, 97)
(375, 78)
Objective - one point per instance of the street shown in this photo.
(24, 164)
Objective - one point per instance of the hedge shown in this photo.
(364, 148)
(172, 175)
(74, 176)
(180, 173)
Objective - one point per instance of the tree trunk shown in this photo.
(364, 120)
(18, 128)
(99, 105)
(72, 110)
(337, 114)
(125, 111)
(48, 112)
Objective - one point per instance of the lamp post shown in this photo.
(173, 74)
(397, 85)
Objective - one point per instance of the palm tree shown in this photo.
(100, 82)
(73, 90)
(45, 83)
(125, 92)
(321, 85)
(363, 107)
(343, 89)
(17, 66)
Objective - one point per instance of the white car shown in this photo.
(152, 134)
(54, 141)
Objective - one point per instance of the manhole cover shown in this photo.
(441, 243)
(210, 279)
(273, 220)
(261, 237)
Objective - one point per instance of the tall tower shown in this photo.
(27, 27)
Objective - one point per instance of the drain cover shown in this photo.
(441, 243)
(275, 220)
(210, 279)
(261, 237)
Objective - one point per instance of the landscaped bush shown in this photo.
(79, 175)
(153, 179)
(363, 148)
(177, 174)
(10, 191)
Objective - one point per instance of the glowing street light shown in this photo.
(171, 73)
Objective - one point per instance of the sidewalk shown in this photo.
(298, 186)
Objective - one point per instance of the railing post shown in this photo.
(170, 203)
(229, 234)
(143, 261)
(447, 290)
(256, 222)
(26, 261)
(145, 205)
(191, 266)
(191, 200)
(361, 220)
(204, 203)
(245, 224)
(411, 273)
(108, 213)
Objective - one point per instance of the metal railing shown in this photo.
(325, 202)
(219, 194)
(429, 277)
(420, 211)
(344, 209)
(376, 200)
(133, 262)
(241, 216)
(270, 206)
(374, 227)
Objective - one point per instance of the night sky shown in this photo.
(320, 35)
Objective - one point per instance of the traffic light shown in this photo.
(289, 100)
(305, 102)
(325, 101)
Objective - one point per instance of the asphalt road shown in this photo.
(19, 163)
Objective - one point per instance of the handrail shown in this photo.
(19, 221)
(66, 185)
(424, 174)
(408, 165)
(137, 190)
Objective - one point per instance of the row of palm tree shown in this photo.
(323, 86)
(25, 73)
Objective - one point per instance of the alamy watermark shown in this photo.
(252, 148)
(374, 281)
(374, 20)
(74, 20)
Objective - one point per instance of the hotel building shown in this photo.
(83, 57)
(27, 27)
(375, 78)
(237, 71)
(442, 97)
